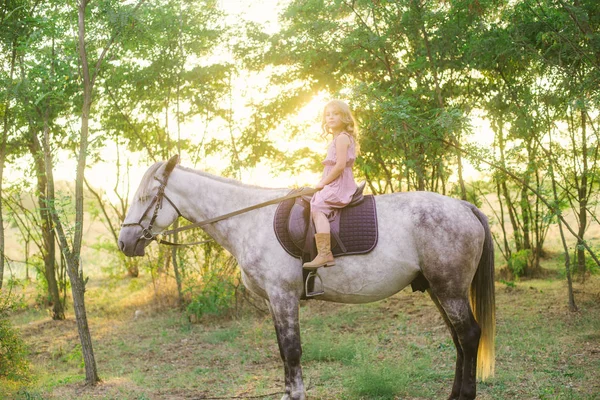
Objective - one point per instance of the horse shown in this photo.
(446, 240)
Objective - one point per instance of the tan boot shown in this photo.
(324, 256)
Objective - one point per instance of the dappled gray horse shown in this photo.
(445, 239)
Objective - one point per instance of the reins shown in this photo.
(200, 224)
(157, 202)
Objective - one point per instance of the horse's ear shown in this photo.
(173, 161)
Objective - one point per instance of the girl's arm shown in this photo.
(341, 150)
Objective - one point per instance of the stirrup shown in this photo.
(315, 277)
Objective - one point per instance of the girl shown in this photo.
(337, 184)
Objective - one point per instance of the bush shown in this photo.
(518, 262)
(216, 294)
(13, 361)
(591, 265)
(215, 298)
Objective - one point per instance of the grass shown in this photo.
(394, 349)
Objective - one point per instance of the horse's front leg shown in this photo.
(285, 311)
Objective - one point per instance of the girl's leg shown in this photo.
(324, 256)
(321, 222)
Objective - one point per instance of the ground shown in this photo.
(398, 348)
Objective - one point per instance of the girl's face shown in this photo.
(333, 119)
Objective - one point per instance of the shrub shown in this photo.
(13, 361)
(216, 296)
(518, 262)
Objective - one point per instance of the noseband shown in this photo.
(157, 202)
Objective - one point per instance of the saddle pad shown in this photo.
(358, 228)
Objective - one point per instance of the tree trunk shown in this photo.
(583, 201)
(174, 256)
(509, 203)
(73, 261)
(3, 141)
(461, 180)
(78, 292)
(507, 250)
(526, 218)
(46, 194)
(540, 228)
(571, 295)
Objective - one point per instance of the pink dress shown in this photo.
(338, 193)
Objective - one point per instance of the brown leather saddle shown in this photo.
(353, 228)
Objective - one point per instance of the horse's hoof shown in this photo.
(299, 397)
(294, 396)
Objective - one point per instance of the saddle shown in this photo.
(353, 228)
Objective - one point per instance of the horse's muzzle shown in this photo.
(132, 245)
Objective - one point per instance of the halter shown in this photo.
(157, 202)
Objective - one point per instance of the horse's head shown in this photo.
(149, 213)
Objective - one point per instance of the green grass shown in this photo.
(398, 348)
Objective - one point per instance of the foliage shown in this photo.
(215, 298)
(395, 62)
(14, 364)
(216, 293)
(518, 262)
(146, 89)
(591, 265)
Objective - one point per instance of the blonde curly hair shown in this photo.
(347, 118)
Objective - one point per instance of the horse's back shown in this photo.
(419, 232)
(428, 215)
(446, 232)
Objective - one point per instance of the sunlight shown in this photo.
(263, 12)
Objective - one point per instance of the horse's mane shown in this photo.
(217, 178)
(145, 189)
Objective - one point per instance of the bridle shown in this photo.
(157, 202)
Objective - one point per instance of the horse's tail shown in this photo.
(483, 302)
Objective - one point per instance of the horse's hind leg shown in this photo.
(459, 353)
(457, 313)
(284, 309)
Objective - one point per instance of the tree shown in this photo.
(545, 66)
(71, 251)
(41, 95)
(156, 87)
(400, 64)
(10, 13)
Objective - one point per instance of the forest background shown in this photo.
(494, 102)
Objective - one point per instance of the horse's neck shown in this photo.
(203, 196)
